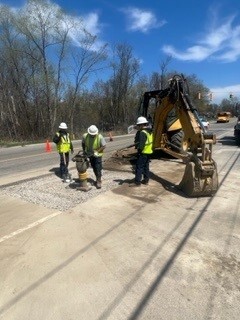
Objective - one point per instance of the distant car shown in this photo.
(205, 123)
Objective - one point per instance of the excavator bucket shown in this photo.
(199, 183)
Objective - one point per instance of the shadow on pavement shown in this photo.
(227, 140)
(56, 171)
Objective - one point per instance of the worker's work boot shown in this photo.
(99, 184)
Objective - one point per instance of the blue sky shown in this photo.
(201, 36)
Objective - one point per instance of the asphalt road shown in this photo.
(150, 253)
(19, 161)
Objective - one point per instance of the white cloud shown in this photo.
(195, 53)
(220, 43)
(220, 93)
(142, 20)
(91, 24)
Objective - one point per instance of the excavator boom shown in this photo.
(188, 140)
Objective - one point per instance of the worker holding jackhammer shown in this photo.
(93, 144)
(143, 144)
(64, 146)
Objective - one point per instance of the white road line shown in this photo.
(30, 226)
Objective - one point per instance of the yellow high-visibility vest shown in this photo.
(95, 145)
(64, 145)
(148, 145)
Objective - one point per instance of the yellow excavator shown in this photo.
(178, 131)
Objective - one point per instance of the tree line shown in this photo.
(47, 62)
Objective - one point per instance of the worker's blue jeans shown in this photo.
(142, 168)
(96, 164)
(64, 161)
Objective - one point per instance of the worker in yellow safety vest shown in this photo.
(93, 144)
(64, 146)
(143, 144)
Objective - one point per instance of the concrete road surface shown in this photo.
(128, 253)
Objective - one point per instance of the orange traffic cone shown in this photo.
(110, 136)
(48, 147)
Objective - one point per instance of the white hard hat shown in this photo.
(141, 120)
(63, 125)
(93, 130)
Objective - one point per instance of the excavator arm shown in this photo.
(173, 105)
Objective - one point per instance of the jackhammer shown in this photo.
(82, 164)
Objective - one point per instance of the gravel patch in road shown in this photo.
(52, 192)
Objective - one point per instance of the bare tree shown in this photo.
(163, 68)
(44, 36)
(87, 60)
(158, 81)
(46, 58)
(125, 70)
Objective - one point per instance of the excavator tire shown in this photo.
(177, 141)
(237, 136)
(195, 185)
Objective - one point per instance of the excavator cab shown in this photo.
(151, 108)
(178, 131)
